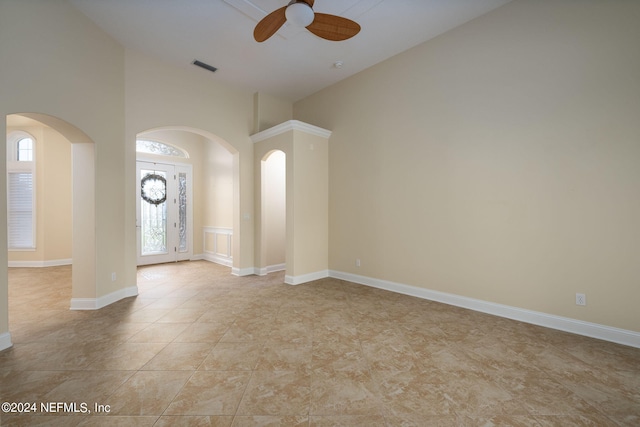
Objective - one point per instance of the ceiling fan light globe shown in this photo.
(299, 14)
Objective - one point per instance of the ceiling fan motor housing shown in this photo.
(299, 14)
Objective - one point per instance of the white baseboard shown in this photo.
(103, 301)
(271, 269)
(297, 280)
(50, 263)
(244, 271)
(276, 267)
(593, 330)
(5, 341)
(227, 262)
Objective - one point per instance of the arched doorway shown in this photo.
(82, 207)
(273, 170)
(214, 199)
(307, 195)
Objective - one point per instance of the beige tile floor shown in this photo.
(201, 347)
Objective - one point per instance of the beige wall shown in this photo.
(270, 111)
(219, 182)
(66, 67)
(310, 194)
(160, 95)
(499, 161)
(56, 197)
(53, 196)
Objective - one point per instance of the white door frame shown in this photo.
(173, 169)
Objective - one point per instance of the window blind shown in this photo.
(20, 209)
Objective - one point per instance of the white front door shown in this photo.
(164, 214)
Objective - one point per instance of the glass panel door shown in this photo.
(184, 212)
(164, 216)
(153, 185)
(155, 194)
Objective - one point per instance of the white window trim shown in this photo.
(15, 166)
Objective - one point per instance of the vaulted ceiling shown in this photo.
(293, 63)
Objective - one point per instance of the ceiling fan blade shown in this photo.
(270, 24)
(309, 2)
(332, 27)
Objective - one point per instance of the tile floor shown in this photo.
(201, 347)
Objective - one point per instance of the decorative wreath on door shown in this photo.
(154, 189)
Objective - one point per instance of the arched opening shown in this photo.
(63, 191)
(307, 190)
(212, 205)
(273, 211)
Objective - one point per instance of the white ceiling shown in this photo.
(293, 63)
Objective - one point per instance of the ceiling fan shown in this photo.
(300, 13)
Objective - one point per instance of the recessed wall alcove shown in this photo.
(306, 148)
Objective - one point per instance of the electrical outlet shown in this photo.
(358, 262)
(113, 277)
(581, 299)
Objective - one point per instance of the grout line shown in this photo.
(575, 352)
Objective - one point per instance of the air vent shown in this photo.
(205, 66)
